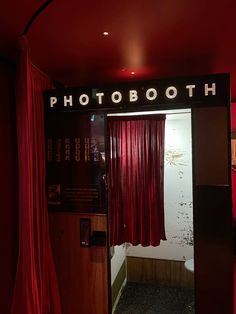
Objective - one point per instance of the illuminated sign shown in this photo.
(210, 88)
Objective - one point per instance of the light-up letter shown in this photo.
(99, 96)
(116, 97)
(151, 94)
(133, 95)
(190, 90)
(171, 92)
(67, 100)
(84, 99)
(53, 100)
(211, 89)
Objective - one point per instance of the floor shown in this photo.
(149, 299)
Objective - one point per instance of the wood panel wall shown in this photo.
(164, 272)
(82, 271)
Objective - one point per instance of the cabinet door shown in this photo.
(82, 271)
(213, 256)
(76, 190)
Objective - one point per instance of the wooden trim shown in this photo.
(164, 272)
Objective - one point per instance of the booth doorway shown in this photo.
(157, 278)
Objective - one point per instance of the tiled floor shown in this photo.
(155, 299)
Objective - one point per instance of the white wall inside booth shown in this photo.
(177, 194)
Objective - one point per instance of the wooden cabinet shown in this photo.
(82, 271)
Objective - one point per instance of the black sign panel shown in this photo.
(213, 89)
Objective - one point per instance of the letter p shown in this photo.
(53, 100)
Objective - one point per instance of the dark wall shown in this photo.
(8, 186)
(213, 254)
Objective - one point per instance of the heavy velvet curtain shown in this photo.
(136, 171)
(36, 290)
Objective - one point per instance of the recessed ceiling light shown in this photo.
(105, 33)
(132, 73)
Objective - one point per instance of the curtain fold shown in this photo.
(36, 289)
(136, 174)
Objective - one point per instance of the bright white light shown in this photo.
(105, 33)
(138, 113)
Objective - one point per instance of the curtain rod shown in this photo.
(35, 15)
(26, 30)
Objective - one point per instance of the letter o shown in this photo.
(151, 94)
(116, 97)
(173, 93)
(84, 99)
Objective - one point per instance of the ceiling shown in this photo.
(148, 39)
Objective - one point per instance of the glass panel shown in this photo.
(75, 154)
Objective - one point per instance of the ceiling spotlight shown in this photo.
(132, 73)
(105, 33)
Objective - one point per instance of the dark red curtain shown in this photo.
(136, 171)
(36, 290)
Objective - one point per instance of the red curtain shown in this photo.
(36, 290)
(136, 170)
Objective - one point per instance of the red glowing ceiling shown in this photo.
(147, 39)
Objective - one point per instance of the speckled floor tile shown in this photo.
(155, 299)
